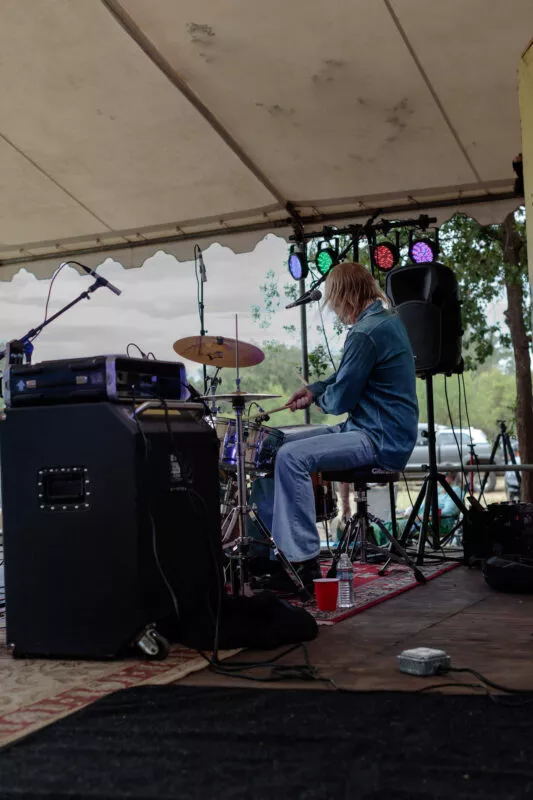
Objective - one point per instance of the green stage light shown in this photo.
(325, 259)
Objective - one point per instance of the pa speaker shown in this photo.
(426, 298)
(111, 523)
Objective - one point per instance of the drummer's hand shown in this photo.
(300, 399)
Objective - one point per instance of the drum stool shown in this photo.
(354, 540)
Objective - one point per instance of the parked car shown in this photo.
(453, 447)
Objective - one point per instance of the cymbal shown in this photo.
(248, 397)
(218, 351)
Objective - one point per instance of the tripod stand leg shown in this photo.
(422, 536)
(343, 546)
(357, 535)
(402, 556)
(393, 510)
(414, 513)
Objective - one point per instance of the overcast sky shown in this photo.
(157, 305)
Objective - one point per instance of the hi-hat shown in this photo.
(218, 351)
(248, 397)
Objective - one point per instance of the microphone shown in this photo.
(201, 264)
(308, 297)
(100, 279)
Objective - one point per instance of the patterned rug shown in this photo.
(371, 588)
(37, 692)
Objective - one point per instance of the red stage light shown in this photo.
(385, 256)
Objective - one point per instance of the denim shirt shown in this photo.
(376, 385)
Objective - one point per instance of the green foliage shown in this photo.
(319, 363)
(272, 301)
(280, 369)
(476, 254)
(491, 395)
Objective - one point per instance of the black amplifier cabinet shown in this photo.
(92, 499)
(115, 378)
(504, 529)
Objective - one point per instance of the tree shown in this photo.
(485, 260)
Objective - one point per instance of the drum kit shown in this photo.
(247, 451)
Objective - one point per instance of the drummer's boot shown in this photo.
(260, 566)
(307, 571)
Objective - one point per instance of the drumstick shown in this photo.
(282, 408)
(275, 410)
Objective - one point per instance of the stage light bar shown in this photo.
(298, 267)
(423, 251)
(385, 256)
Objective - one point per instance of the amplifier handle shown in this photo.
(170, 404)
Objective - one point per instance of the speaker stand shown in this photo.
(429, 492)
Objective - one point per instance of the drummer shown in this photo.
(375, 386)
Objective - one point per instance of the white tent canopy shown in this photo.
(145, 124)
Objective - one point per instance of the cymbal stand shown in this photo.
(213, 381)
(241, 585)
(240, 511)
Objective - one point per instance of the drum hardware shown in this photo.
(227, 530)
(261, 445)
(265, 415)
(248, 397)
(211, 384)
(242, 355)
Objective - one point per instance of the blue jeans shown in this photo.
(286, 502)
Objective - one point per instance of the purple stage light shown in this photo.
(422, 252)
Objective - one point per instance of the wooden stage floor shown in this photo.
(457, 612)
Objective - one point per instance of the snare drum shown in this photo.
(260, 445)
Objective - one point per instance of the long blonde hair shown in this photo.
(349, 289)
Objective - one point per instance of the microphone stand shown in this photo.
(15, 349)
(201, 278)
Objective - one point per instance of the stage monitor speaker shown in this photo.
(101, 512)
(426, 298)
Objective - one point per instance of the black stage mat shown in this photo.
(189, 742)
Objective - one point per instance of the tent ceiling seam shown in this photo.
(432, 90)
(147, 46)
(49, 177)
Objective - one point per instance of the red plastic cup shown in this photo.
(326, 593)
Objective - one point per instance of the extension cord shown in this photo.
(424, 661)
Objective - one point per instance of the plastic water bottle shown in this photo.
(346, 588)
